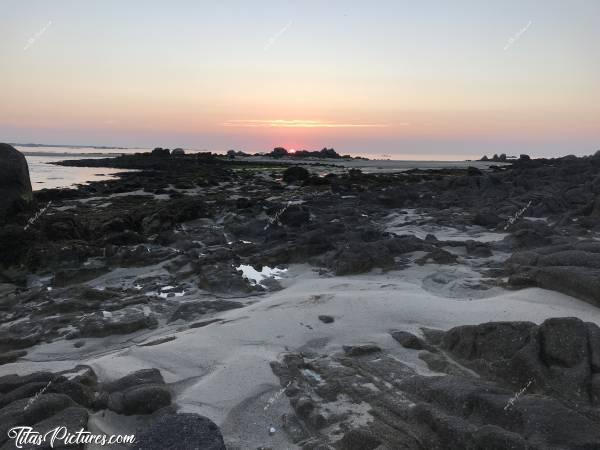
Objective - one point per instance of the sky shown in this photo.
(412, 80)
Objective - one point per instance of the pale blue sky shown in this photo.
(382, 77)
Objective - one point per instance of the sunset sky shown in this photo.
(424, 80)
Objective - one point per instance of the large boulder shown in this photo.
(15, 185)
(560, 357)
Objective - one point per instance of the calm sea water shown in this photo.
(45, 175)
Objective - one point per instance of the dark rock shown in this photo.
(180, 432)
(580, 282)
(44, 406)
(294, 174)
(543, 422)
(473, 171)
(190, 310)
(359, 439)
(144, 376)
(295, 216)
(557, 355)
(326, 319)
(24, 391)
(15, 243)
(408, 340)
(11, 382)
(73, 418)
(360, 350)
(360, 257)
(11, 356)
(15, 185)
(124, 321)
(144, 399)
(487, 218)
(158, 151)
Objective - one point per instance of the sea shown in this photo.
(45, 175)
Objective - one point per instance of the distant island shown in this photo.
(281, 152)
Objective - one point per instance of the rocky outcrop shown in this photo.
(46, 400)
(525, 386)
(571, 268)
(560, 357)
(15, 185)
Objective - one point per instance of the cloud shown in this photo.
(280, 123)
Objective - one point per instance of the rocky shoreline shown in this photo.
(190, 243)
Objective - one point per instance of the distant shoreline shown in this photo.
(99, 147)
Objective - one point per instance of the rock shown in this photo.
(180, 432)
(15, 185)
(580, 282)
(144, 376)
(15, 242)
(408, 340)
(178, 152)
(487, 218)
(360, 257)
(326, 319)
(488, 340)
(11, 382)
(360, 350)
(74, 418)
(295, 216)
(243, 203)
(80, 393)
(124, 321)
(461, 411)
(158, 151)
(438, 256)
(144, 399)
(191, 310)
(44, 406)
(543, 422)
(295, 173)
(25, 391)
(359, 439)
(11, 356)
(557, 355)
(528, 234)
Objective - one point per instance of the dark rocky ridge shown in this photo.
(533, 387)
